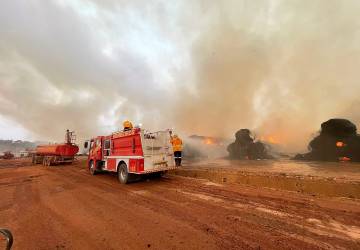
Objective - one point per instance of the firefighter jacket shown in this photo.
(177, 144)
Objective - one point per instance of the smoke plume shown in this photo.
(209, 68)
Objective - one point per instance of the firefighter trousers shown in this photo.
(177, 156)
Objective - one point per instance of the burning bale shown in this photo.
(245, 147)
(207, 140)
(337, 141)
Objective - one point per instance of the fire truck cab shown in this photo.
(131, 153)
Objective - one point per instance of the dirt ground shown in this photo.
(330, 179)
(341, 171)
(64, 207)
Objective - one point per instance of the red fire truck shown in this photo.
(131, 153)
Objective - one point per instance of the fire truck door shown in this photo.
(106, 148)
(97, 149)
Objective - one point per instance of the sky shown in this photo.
(277, 67)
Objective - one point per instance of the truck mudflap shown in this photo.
(137, 166)
(157, 170)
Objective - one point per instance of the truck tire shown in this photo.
(8, 236)
(123, 173)
(92, 168)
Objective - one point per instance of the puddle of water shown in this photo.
(140, 192)
(273, 212)
(240, 205)
(314, 221)
(204, 197)
(351, 231)
(338, 170)
(209, 183)
(301, 184)
(327, 228)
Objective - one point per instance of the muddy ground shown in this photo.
(330, 179)
(64, 207)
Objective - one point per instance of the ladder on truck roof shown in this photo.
(70, 137)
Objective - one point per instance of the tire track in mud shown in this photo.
(126, 204)
(263, 220)
(226, 236)
(151, 201)
(96, 212)
(27, 206)
(275, 211)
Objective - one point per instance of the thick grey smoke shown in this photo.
(277, 67)
(60, 69)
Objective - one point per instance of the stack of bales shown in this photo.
(337, 140)
(245, 147)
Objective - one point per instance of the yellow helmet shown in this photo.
(127, 124)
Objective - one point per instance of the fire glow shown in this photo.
(340, 144)
(270, 139)
(209, 141)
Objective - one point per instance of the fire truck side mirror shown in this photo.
(86, 144)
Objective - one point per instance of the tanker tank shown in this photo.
(54, 154)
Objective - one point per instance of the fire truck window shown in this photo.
(107, 147)
(107, 144)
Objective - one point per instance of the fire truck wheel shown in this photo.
(92, 168)
(123, 174)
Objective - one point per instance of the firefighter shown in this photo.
(127, 125)
(177, 147)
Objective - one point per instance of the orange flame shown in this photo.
(208, 141)
(270, 139)
(340, 144)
